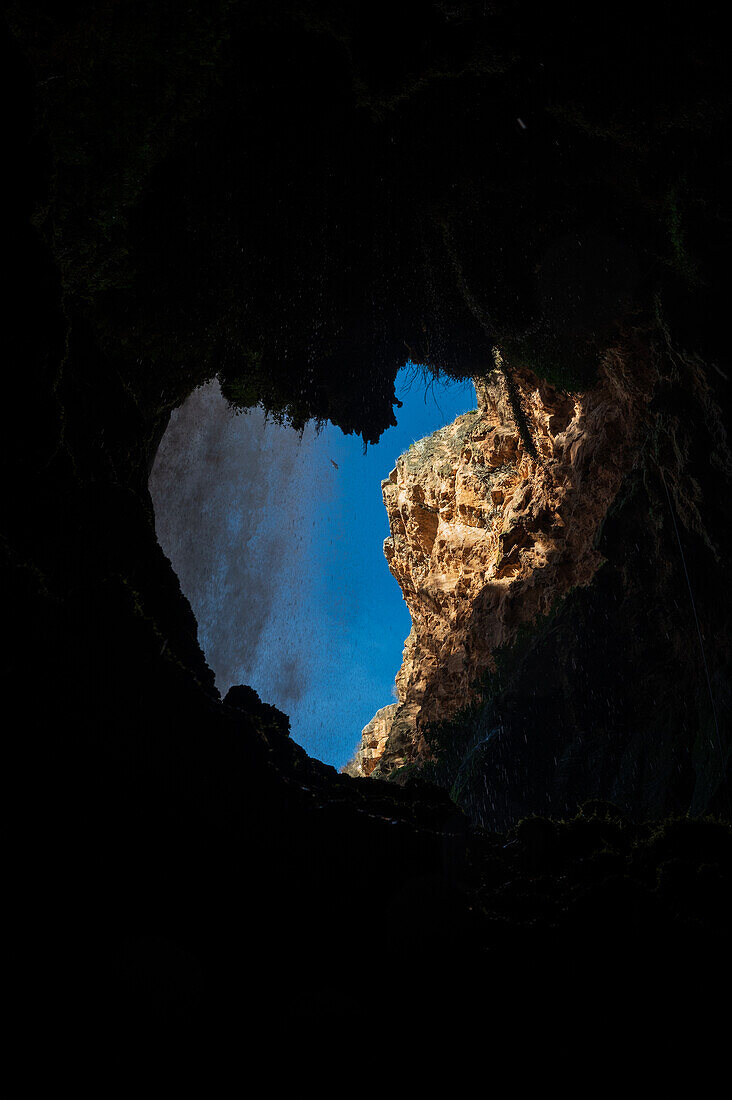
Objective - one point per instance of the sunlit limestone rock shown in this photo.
(373, 742)
(491, 522)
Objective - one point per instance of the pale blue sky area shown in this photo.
(281, 555)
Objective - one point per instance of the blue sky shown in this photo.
(281, 555)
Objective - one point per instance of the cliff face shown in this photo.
(493, 519)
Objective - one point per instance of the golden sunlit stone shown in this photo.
(486, 536)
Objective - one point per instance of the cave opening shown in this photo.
(277, 539)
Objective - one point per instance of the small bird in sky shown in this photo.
(334, 463)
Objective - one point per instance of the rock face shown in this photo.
(493, 519)
(373, 742)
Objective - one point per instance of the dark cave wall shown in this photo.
(165, 844)
(299, 197)
(292, 203)
(298, 224)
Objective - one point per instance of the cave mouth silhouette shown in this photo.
(276, 537)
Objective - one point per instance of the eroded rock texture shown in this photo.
(493, 519)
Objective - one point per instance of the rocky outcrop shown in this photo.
(493, 519)
(373, 742)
